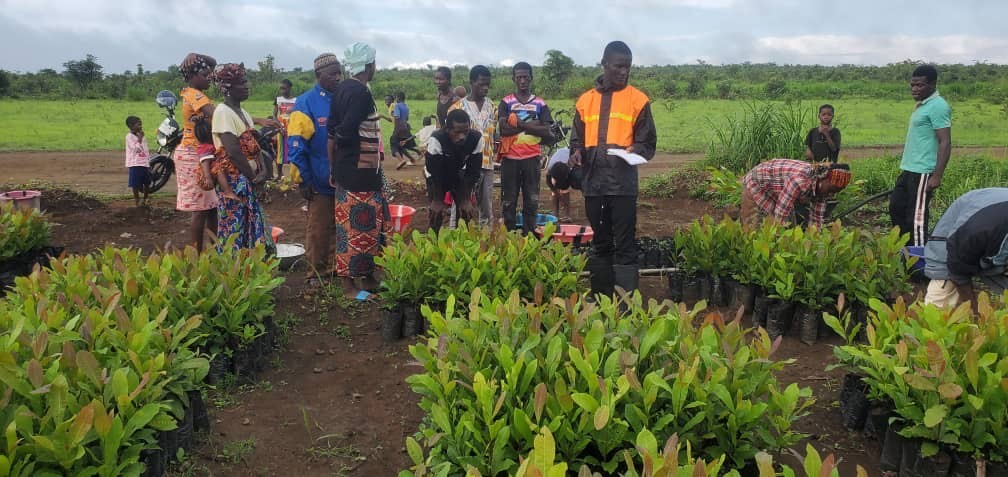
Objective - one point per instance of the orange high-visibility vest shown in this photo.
(626, 106)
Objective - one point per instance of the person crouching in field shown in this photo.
(561, 178)
(970, 241)
(425, 133)
(773, 189)
(453, 164)
(137, 160)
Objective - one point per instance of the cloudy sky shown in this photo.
(37, 34)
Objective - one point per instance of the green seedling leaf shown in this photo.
(601, 417)
(544, 450)
(414, 450)
(934, 415)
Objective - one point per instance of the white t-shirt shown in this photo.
(226, 120)
(284, 107)
(561, 155)
(424, 134)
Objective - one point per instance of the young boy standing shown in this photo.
(524, 123)
(389, 108)
(822, 143)
(137, 160)
(445, 96)
(483, 118)
(282, 107)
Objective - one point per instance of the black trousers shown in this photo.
(908, 206)
(520, 175)
(614, 223)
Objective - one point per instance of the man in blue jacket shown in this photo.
(970, 241)
(306, 145)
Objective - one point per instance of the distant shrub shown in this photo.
(775, 88)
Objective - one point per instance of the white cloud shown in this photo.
(70, 16)
(38, 34)
(456, 5)
(713, 4)
(877, 49)
(420, 65)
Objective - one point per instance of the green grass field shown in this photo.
(683, 125)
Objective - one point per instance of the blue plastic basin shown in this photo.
(541, 220)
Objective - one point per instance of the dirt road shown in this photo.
(104, 173)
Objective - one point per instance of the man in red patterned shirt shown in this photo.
(774, 187)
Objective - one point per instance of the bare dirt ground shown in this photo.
(335, 401)
(104, 173)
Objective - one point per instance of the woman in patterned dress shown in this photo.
(240, 218)
(362, 212)
(197, 109)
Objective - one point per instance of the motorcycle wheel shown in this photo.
(161, 169)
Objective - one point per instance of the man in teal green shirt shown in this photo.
(925, 155)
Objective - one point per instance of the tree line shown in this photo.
(557, 77)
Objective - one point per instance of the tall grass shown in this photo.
(683, 125)
(963, 174)
(762, 131)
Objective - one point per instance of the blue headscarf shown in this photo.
(356, 57)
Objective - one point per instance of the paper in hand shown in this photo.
(629, 157)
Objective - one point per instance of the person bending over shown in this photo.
(453, 165)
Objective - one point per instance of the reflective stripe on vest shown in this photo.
(623, 112)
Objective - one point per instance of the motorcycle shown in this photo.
(169, 135)
(561, 134)
(266, 138)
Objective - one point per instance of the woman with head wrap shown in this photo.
(362, 213)
(773, 189)
(197, 109)
(239, 214)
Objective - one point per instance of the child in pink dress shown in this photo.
(137, 160)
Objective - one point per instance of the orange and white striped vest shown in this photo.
(626, 106)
